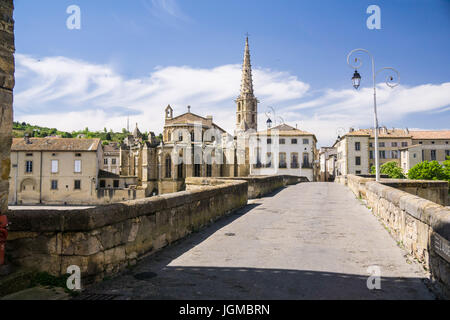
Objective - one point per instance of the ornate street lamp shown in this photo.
(269, 123)
(356, 80)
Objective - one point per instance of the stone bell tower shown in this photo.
(247, 104)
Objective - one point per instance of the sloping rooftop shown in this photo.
(286, 130)
(438, 134)
(55, 144)
(382, 133)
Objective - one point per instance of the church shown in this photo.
(195, 146)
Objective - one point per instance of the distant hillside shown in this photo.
(21, 128)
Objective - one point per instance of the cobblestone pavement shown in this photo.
(309, 241)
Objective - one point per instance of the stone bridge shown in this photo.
(308, 241)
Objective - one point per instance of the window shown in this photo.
(414, 155)
(208, 170)
(358, 161)
(306, 161)
(357, 146)
(102, 183)
(77, 185)
(29, 166)
(105, 161)
(447, 153)
(370, 145)
(180, 171)
(394, 154)
(29, 154)
(358, 171)
(116, 183)
(192, 136)
(294, 160)
(381, 144)
(282, 141)
(113, 161)
(54, 166)
(293, 141)
(77, 154)
(77, 166)
(282, 163)
(432, 142)
(393, 144)
(180, 136)
(269, 141)
(371, 154)
(54, 185)
(404, 144)
(197, 170)
(168, 167)
(305, 141)
(382, 154)
(420, 142)
(433, 155)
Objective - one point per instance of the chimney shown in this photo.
(406, 130)
(26, 137)
(351, 129)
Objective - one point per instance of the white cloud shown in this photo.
(71, 94)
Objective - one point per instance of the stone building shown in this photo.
(54, 170)
(111, 157)
(138, 158)
(327, 163)
(283, 150)
(427, 146)
(6, 97)
(356, 149)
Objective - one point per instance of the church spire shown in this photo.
(247, 104)
(247, 81)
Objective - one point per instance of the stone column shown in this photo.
(6, 96)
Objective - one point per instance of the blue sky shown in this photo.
(135, 57)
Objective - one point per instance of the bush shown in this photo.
(391, 169)
(428, 170)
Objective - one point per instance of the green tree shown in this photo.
(108, 136)
(427, 170)
(392, 169)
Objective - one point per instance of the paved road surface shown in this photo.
(309, 241)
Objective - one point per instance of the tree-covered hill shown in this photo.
(22, 128)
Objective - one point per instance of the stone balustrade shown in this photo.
(420, 225)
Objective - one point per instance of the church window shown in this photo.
(168, 167)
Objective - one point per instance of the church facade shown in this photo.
(195, 146)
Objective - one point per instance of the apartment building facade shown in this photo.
(54, 170)
(356, 149)
(283, 150)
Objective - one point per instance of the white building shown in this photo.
(283, 150)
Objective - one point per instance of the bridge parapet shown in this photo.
(258, 186)
(420, 225)
(106, 239)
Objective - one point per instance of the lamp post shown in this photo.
(356, 80)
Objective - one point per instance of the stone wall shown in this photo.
(106, 239)
(258, 186)
(420, 225)
(435, 191)
(6, 96)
